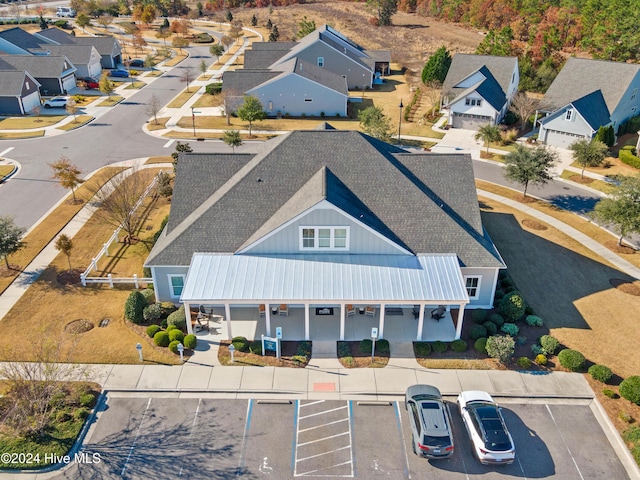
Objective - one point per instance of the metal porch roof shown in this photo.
(328, 278)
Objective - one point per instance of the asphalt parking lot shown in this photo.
(140, 437)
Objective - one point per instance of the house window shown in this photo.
(26, 84)
(473, 287)
(176, 284)
(568, 115)
(324, 238)
(474, 102)
(321, 61)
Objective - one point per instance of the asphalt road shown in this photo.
(224, 439)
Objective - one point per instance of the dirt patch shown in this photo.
(534, 224)
(69, 277)
(288, 356)
(579, 179)
(620, 249)
(9, 272)
(78, 326)
(626, 286)
(350, 355)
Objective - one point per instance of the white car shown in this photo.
(56, 102)
(491, 441)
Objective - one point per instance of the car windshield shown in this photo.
(433, 441)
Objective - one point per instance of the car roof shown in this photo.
(426, 391)
(475, 396)
(433, 419)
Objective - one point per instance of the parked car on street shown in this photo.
(430, 422)
(136, 62)
(491, 441)
(56, 102)
(65, 12)
(118, 72)
(89, 82)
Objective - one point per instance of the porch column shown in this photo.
(306, 321)
(381, 325)
(267, 318)
(227, 314)
(420, 323)
(187, 313)
(459, 325)
(342, 317)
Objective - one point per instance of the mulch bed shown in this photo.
(78, 326)
(534, 225)
(69, 277)
(12, 271)
(579, 179)
(359, 359)
(619, 249)
(288, 349)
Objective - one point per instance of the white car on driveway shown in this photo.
(56, 102)
(491, 441)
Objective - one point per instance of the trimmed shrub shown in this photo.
(510, 329)
(366, 345)
(161, 339)
(304, 348)
(382, 347)
(87, 400)
(499, 295)
(439, 347)
(549, 344)
(255, 347)
(190, 341)
(629, 158)
(536, 349)
(176, 335)
(506, 282)
(423, 349)
(178, 319)
(571, 359)
(241, 344)
(170, 328)
(610, 393)
(480, 345)
(501, 347)
(600, 373)
(625, 417)
(541, 359)
(477, 331)
(149, 295)
(497, 319)
(134, 307)
(213, 88)
(534, 321)
(512, 306)
(152, 313)
(343, 350)
(479, 316)
(459, 346)
(630, 389)
(152, 330)
(521, 340)
(167, 308)
(491, 327)
(173, 346)
(528, 310)
(524, 362)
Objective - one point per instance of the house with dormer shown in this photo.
(55, 74)
(478, 89)
(327, 232)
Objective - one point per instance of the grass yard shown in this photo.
(79, 122)
(6, 170)
(182, 98)
(18, 135)
(135, 86)
(588, 181)
(159, 125)
(110, 101)
(24, 123)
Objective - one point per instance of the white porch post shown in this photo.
(187, 314)
(459, 325)
(267, 318)
(227, 313)
(342, 317)
(381, 326)
(306, 321)
(420, 323)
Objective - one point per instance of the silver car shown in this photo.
(430, 422)
(56, 102)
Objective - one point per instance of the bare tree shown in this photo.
(105, 21)
(187, 76)
(72, 108)
(524, 106)
(65, 245)
(154, 107)
(37, 110)
(180, 42)
(431, 92)
(67, 175)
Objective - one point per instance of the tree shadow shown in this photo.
(574, 203)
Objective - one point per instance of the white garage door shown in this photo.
(469, 122)
(31, 101)
(69, 83)
(559, 139)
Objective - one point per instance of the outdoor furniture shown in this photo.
(439, 312)
(284, 309)
(350, 309)
(416, 311)
(371, 311)
(262, 309)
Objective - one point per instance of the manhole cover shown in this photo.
(104, 322)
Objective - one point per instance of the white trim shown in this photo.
(171, 276)
(477, 287)
(316, 237)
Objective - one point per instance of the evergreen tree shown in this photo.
(274, 35)
(437, 66)
(229, 16)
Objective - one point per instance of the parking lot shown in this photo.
(217, 438)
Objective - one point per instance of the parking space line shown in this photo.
(193, 427)
(168, 144)
(326, 453)
(407, 473)
(311, 403)
(351, 429)
(247, 424)
(311, 472)
(323, 412)
(135, 439)
(294, 440)
(3, 153)
(564, 441)
(324, 425)
(324, 438)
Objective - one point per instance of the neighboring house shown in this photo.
(108, 47)
(586, 95)
(293, 87)
(16, 41)
(19, 93)
(85, 58)
(56, 75)
(478, 89)
(325, 223)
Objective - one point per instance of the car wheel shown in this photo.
(47, 106)
(413, 447)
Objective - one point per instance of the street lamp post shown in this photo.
(400, 120)
(193, 120)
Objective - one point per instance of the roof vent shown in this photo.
(259, 180)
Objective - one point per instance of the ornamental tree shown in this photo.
(251, 110)
(529, 166)
(622, 208)
(588, 153)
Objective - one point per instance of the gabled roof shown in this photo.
(40, 66)
(591, 107)
(105, 45)
(12, 82)
(23, 39)
(78, 54)
(424, 202)
(241, 81)
(464, 65)
(55, 34)
(261, 58)
(488, 88)
(581, 76)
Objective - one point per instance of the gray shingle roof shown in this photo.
(425, 202)
(40, 66)
(582, 76)
(594, 109)
(11, 82)
(314, 73)
(241, 81)
(463, 65)
(261, 58)
(279, 46)
(57, 35)
(104, 45)
(22, 39)
(78, 54)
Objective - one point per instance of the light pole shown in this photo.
(400, 120)
(193, 120)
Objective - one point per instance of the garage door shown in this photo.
(31, 101)
(69, 83)
(469, 122)
(559, 139)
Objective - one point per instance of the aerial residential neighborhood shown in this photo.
(320, 239)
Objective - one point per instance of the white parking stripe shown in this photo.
(326, 411)
(193, 427)
(311, 472)
(311, 403)
(564, 441)
(323, 425)
(324, 438)
(135, 439)
(2, 154)
(326, 453)
(168, 144)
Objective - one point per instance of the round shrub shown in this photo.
(382, 346)
(167, 308)
(497, 319)
(524, 362)
(491, 328)
(630, 389)
(549, 344)
(241, 344)
(173, 346)
(134, 307)
(609, 393)
(501, 347)
(512, 306)
(152, 330)
(439, 347)
(176, 334)
(62, 417)
(534, 321)
(459, 346)
(161, 339)
(506, 282)
(255, 347)
(87, 400)
(366, 345)
(600, 373)
(190, 341)
(171, 327)
(479, 316)
(510, 329)
(571, 359)
(520, 340)
(423, 349)
(536, 349)
(178, 319)
(152, 313)
(541, 359)
(81, 413)
(499, 295)
(149, 294)
(480, 346)
(477, 331)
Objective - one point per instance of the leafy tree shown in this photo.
(187, 76)
(232, 138)
(10, 238)
(105, 21)
(180, 148)
(384, 9)
(148, 14)
(106, 85)
(375, 123)
(305, 27)
(72, 108)
(251, 110)
(488, 133)
(83, 21)
(621, 208)
(524, 106)
(437, 66)
(67, 174)
(226, 40)
(164, 33)
(65, 245)
(216, 50)
(202, 67)
(254, 20)
(275, 34)
(180, 42)
(496, 43)
(529, 166)
(588, 153)
(229, 16)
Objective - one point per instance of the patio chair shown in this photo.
(416, 312)
(262, 310)
(371, 311)
(284, 309)
(350, 309)
(439, 312)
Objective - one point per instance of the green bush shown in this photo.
(480, 346)
(87, 400)
(161, 339)
(178, 319)
(202, 38)
(498, 296)
(609, 393)
(549, 344)
(167, 308)
(479, 316)
(528, 310)
(571, 359)
(510, 329)
(497, 319)
(490, 327)
(439, 347)
(176, 335)
(300, 358)
(170, 328)
(241, 344)
(600, 373)
(512, 306)
(255, 347)
(366, 345)
(423, 349)
(152, 313)
(81, 413)
(501, 347)
(213, 88)
(150, 295)
(625, 417)
(173, 346)
(343, 350)
(152, 330)
(304, 348)
(534, 321)
(536, 349)
(630, 389)
(477, 331)
(541, 359)
(506, 282)
(382, 346)
(629, 158)
(190, 341)
(524, 362)
(521, 340)
(134, 307)
(459, 346)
